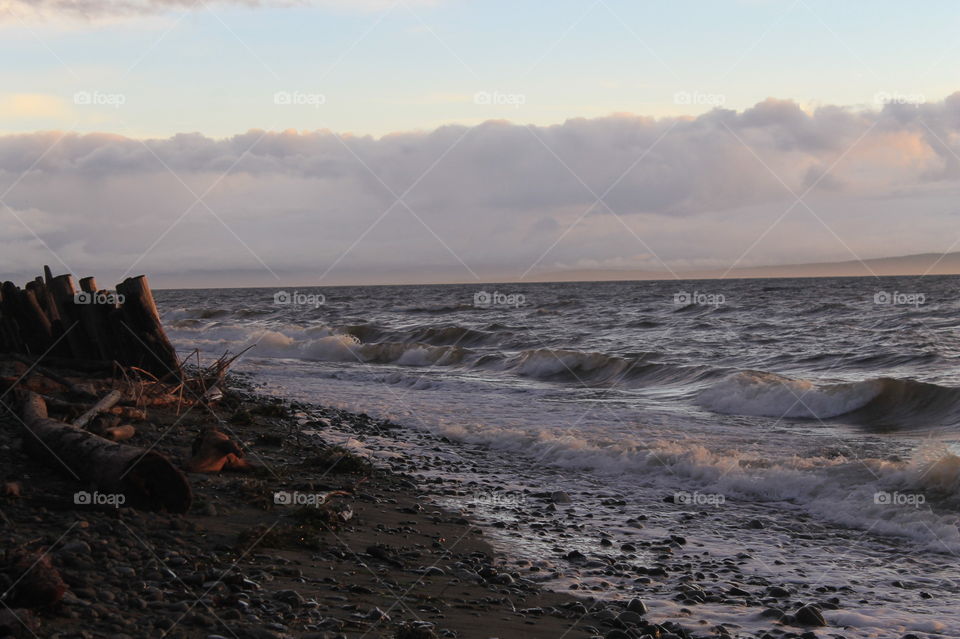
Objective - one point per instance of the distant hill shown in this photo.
(922, 264)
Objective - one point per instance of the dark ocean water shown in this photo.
(838, 398)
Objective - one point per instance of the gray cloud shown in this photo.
(496, 196)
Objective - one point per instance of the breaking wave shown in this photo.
(880, 403)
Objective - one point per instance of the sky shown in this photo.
(386, 141)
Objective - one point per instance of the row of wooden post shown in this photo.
(49, 316)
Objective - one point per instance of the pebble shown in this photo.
(78, 547)
(809, 615)
(628, 617)
(637, 606)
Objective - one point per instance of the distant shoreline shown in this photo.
(682, 277)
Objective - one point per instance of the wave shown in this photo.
(439, 309)
(450, 335)
(881, 403)
(644, 323)
(909, 404)
(437, 335)
(860, 493)
(827, 307)
(441, 345)
(600, 368)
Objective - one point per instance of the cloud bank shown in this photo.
(496, 200)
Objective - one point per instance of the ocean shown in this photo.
(808, 429)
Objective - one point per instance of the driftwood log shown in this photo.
(108, 402)
(79, 390)
(213, 451)
(123, 412)
(51, 318)
(148, 346)
(37, 582)
(147, 479)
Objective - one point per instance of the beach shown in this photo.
(257, 557)
(261, 555)
(489, 494)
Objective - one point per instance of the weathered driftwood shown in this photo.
(213, 451)
(118, 433)
(163, 399)
(36, 329)
(146, 478)
(79, 390)
(96, 367)
(148, 346)
(40, 385)
(74, 408)
(37, 583)
(128, 412)
(95, 318)
(106, 403)
(64, 295)
(10, 309)
(50, 317)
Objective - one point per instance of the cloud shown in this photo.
(95, 9)
(496, 198)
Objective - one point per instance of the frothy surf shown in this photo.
(448, 346)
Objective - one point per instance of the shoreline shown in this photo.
(380, 560)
